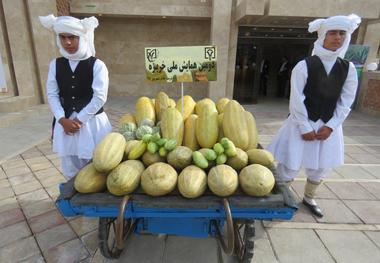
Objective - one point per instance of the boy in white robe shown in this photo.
(77, 87)
(323, 88)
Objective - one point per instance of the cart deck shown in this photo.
(174, 214)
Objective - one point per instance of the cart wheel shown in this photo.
(107, 236)
(244, 244)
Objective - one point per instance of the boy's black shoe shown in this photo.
(314, 209)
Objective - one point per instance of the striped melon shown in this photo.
(202, 103)
(125, 178)
(162, 102)
(207, 127)
(89, 180)
(159, 179)
(252, 131)
(192, 182)
(222, 180)
(260, 156)
(188, 106)
(172, 125)
(189, 137)
(235, 125)
(144, 110)
(221, 104)
(256, 180)
(109, 152)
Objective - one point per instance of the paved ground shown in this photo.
(33, 230)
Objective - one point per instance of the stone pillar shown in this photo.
(234, 30)
(8, 84)
(20, 47)
(220, 36)
(63, 7)
(44, 41)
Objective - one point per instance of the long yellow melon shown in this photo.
(235, 125)
(189, 137)
(203, 103)
(221, 104)
(109, 152)
(162, 102)
(144, 110)
(172, 125)
(207, 127)
(172, 103)
(188, 106)
(252, 131)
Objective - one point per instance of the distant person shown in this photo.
(283, 77)
(264, 75)
(77, 87)
(323, 88)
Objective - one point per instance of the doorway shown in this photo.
(260, 55)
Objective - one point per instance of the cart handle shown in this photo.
(229, 248)
(119, 235)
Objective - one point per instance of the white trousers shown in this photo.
(71, 165)
(285, 174)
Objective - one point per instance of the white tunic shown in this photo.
(289, 148)
(94, 127)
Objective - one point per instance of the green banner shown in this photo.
(180, 64)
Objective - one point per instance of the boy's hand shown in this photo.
(77, 121)
(323, 133)
(310, 136)
(69, 126)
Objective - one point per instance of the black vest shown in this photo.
(75, 88)
(322, 91)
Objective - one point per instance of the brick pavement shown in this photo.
(33, 230)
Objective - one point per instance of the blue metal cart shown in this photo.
(205, 216)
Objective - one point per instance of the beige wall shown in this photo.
(120, 43)
(26, 49)
(323, 8)
(169, 8)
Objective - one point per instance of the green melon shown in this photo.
(192, 182)
(125, 178)
(222, 180)
(256, 180)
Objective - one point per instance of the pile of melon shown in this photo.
(190, 146)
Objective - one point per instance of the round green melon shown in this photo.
(151, 158)
(256, 180)
(180, 157)
(222, 180)
(192, 181)
(125, 178)
(159, 179)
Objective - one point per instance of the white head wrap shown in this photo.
(83, 28)
(346, 23)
